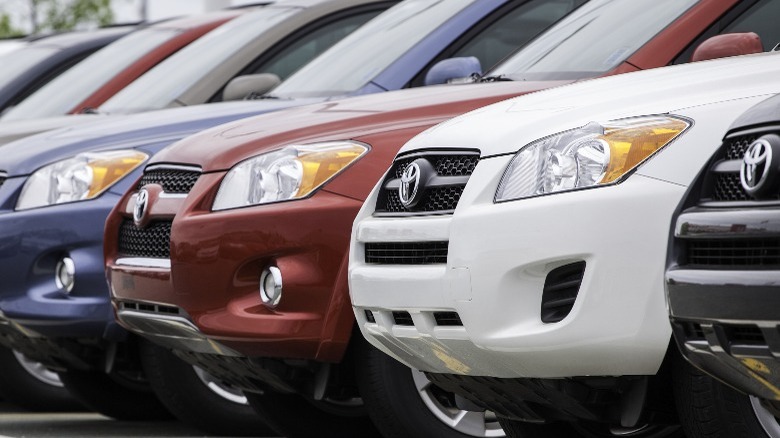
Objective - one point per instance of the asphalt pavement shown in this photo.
(17, 423)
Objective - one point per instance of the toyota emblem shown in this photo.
(410, 184)
(139, 210)
(755, 166)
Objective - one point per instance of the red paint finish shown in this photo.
(217, 257)
(191, 28)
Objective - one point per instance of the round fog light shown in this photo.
(65, 274)
(271, 286)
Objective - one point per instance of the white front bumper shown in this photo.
(499, 257)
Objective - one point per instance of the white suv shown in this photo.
(516, 253)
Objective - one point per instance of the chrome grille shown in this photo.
(153, 241)
(733, 252)
(406, 253)
(172, 180)
(439, 199)
(725, 186)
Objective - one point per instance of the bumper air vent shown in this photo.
(406, 253)
(403, 318)
(560, 291)
(451, 319)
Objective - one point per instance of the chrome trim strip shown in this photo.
(145, 262)
(172, 195)
(173, 167)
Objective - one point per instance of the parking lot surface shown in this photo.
(16, 423)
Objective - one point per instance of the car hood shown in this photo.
(507, 126)
(151, 129)
(222, 147)
(10, 131)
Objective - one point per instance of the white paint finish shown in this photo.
(619, 323)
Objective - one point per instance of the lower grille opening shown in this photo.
(403, 318)
(750, 335)
(733, 252)
(370, 316)
(406, 253)
(560, 291)
(693, 331)
(152, 241)
(150, 308)
(451, 319)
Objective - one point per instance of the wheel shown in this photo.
(32, 386)
(294, 416)
(710, 409)
(197, 398)
(117, 395)
(404, 403)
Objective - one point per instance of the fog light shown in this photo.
(65, 274)
(271, 286)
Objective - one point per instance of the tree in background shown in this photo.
(60, 15)
(7, 30)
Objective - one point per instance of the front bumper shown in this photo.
(212, 285)
(31, 244)
(499, 258)
(725, 319)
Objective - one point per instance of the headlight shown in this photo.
(593, 155)
(290, 173)
(84, 176)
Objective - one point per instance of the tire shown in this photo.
(115, 396)
(198, 399)
(33, 387)
(710, 409)
(519, 429)
(404, 403)
(294, 416)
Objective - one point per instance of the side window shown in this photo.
(761, 19)
(746, 16)
(505, 31)
(311, 44)
(514, 29)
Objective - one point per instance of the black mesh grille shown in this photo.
(736, 147)
(745, 334)
(728, 187)
(560, 291)
(154, 241)
(728, 252)
(434, 199)
(406, 253)
(171, 180)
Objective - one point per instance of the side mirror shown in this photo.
(453, 68)
(728, 44)
(242, 86)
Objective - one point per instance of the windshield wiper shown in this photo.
(496, 78)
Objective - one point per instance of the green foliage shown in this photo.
(66, 15)
(7, 29)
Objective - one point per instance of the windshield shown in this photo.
(358, 58)
(160, 86)
(592, 40)
(17, 62)
(61, 95)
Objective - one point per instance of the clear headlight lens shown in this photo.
(289, 173)
(84, 176)
(596, 154)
